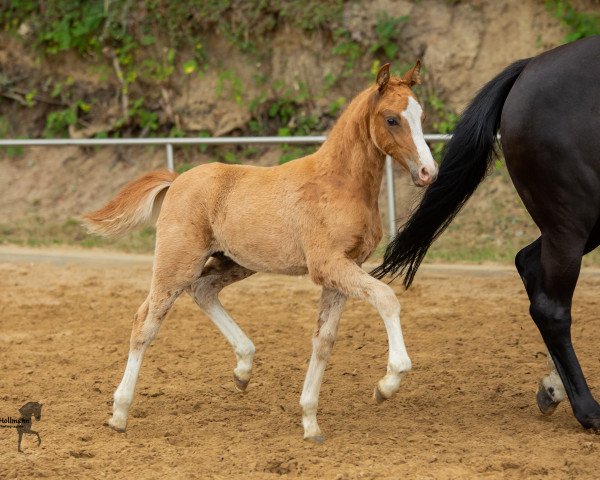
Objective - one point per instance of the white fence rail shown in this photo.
(169, 143)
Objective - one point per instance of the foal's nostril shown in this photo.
(424, 174)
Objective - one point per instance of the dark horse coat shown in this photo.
(547, 111)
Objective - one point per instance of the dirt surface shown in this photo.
(467, 410)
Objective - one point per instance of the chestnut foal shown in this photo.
(318, 215)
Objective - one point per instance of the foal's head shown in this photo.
(395, 124)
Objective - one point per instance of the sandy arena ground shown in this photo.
(467, 410)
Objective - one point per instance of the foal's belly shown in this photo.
(271, 248)
(263, 262)
(268, 267)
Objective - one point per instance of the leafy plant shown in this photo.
(146, 119)
(444, 121)
(148, 46)
(71, 24)
(329, 81)
(580, 24)
(58, 122)
(387, 30)
(292, 152)
(230, 80)
(336, 105)
(6, 132)
(184, 167)
(348, 49)
(229, 157)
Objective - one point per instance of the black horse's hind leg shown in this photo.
(527, 262)
(550, 268)
(550, 390)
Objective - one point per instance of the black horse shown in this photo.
(547, 110)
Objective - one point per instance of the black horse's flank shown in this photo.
(547, 111)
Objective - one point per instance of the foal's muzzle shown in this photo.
(424, 176)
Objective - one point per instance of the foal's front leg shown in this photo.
(353, 281)
(332, 303)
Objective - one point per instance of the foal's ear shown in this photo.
(383, 77)
(413, 76)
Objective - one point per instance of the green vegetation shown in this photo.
(6, 132)
(149, 47)
(146, 45)
(388, 30)
(444, 121)
(385, 47)
(579, 24)
(36, 231)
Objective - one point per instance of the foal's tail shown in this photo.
(137, 203)
(466, 160)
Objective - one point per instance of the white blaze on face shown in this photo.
(427, 166)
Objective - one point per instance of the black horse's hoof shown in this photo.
(591, 419)
(545, 402)
(592, 425)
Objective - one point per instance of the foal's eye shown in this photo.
(392, 121)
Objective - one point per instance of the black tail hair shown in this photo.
(466, 160)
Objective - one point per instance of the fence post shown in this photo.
(170, 164)
(389, 181)
(391, 196)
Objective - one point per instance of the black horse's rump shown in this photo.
(466, 160)
(547, 110)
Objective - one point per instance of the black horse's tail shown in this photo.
(465, 162)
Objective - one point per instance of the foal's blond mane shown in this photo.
(353, 127)
(354, 120)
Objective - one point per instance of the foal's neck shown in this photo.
(350, 153)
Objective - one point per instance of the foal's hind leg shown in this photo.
(332, 303)
(217, 274)
(173, 272)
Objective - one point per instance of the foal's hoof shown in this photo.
(318, 439)
(545, 402)
(116, 425)
(378, 396)
(240, 385)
